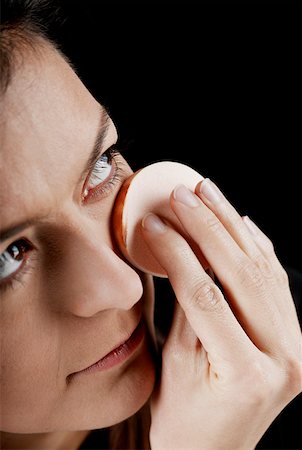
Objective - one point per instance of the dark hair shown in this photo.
(22, 23)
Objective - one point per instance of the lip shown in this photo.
(118, 355)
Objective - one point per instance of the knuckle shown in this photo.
(271, 272)
(268, 246)
(231, 219)
(267, 380)
(249, 274)
(282, 276)
(255, 385)
(207, 297)
(214, 224)
(293, 383)
(265, 267)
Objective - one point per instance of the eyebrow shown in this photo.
(94, 156)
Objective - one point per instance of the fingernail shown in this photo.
(182, 194)
(210, 191)
(152, 223)
(250, 225)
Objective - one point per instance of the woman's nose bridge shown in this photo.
(95, 277)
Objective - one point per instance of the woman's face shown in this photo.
(68, 297)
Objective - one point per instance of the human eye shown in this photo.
(14, 262)
(106, 173)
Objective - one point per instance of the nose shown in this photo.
(92, 277)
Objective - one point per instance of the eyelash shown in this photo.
(25, 268)
(101, 190)
(106, 187)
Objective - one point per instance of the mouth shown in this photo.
(118, 355)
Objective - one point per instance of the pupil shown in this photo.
(14, 251)
(103, 161)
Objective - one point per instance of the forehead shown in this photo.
(48, 119)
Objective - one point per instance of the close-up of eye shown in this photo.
(106, 173)
(12, 260)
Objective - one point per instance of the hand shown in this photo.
(232, 360)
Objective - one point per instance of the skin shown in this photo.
(231, 361)
(80, 299)
(240, 351)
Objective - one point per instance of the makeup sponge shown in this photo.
(148, 190)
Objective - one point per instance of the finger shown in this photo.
(241, 278)
(252, 241)
(248, 236)
(183, 350)
(265, 245)
(286, 305)
(182, 335)
(203, 303)
(232, 221)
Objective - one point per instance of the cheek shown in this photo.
(29, 364)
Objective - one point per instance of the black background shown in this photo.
(212, 85)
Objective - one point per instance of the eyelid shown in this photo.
(102, 150)
(93, 163)
(118, 173)
(18, 236)
(30, 256)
